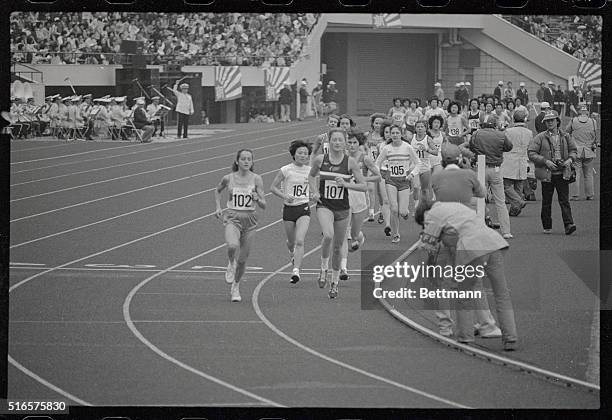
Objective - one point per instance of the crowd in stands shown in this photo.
(579, 36)
(249, 39)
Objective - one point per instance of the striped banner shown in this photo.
(590, 74)
(228, 84)
(274, 78)
(386, 20)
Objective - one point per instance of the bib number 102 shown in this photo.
(242, 200)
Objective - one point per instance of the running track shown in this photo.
(118, 297)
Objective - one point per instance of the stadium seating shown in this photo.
(248, 39)
(579, 36)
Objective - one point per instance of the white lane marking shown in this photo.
(26, 264)
(474, 350)
(143, 321)
(74, 154)
(157, 158)
(310, 272)
(121, 215)
(30, 278)
(166, 356)
(41, 148)
(269, 324)
(167, 146)
(82, 203)
(46, 383)
(199, 267)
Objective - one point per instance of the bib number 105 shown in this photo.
(397, 170)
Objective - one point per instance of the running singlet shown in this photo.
(241, 193)
(295, 183)
(413, 116)
(374, 141)
(437, 141)
(334, 196)
(399, 159)
(398, 115)
(455, 126)
(473, 121)
(422, 154)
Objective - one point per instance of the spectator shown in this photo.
(553, 153)
(540, 126)
(549, 95)
(509, 92)
(497, 92)
(583, 130)
(438, 91)
(514, 167)
(303, 99)
(540, 92)
(522, 94)
(285, 100)
(559, 98)
(317, 93)
(573, 98)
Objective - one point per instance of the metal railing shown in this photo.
(32, 73)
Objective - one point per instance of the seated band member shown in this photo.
(141, 121)
(157, 120)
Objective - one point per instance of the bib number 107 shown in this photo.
(333, 191)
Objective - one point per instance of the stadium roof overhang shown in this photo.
(433, 23)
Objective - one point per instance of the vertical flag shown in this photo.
(590, 74)
(274, 78)
(386, 20)
(228, 84)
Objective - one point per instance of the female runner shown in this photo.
(321, 143)
(412, 116)
(296, 210)
(456, 126)
(333, 208)
(397, 113)
(437, 137)
(357, 199)
(374, 139)
(385, 214)
(473, 116)
(245, 191)
(402, 168)
(424, 147)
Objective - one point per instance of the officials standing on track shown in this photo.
(184, 108)
(246, 191)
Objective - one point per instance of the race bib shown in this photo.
(241, 199)
(412, 120)
(454, 131)
(396, 169)
(474, 124)
(332, 190)
(298, 190)
(325, 148)
(398, 117)
(374, 152)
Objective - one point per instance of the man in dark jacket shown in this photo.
(540, 126)
(493, 143)
(553, 153)
(285, 98)
(559, 99)
(141, 121)
(522, 94)
(540, 92)
(549, 95)
(573, 98)
(497, 92)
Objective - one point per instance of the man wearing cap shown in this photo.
(63, 114)
(540, 126)
(141, 121)
(553, 153)
(86, 109)
(583, 130)
(497, 92)
(54, 113)
(157, 121)
(285, 99)
(102, 116)
(492, 143)
(184, 108)
(117, 117)
(514, 167)
(44, 117)
(509, 92)
(454, 183)
(573, 98)
(303, 99)
(522, 94)
(438, 91)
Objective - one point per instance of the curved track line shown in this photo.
(196, 141)
(161, 353)
(476, 351)
(73, 154)
(46, 383)
(40, 148)
(161, 157)
(269, 324)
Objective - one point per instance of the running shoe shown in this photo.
(396, 239)
(230, 273)
(343, 274)
(333, 291)
(387, 230)
(295, 277)
(371, 217)
(356, 244)
(381, 218)
(235, 292)
(406, 216)
(323, 278)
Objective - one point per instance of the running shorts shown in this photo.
(245, 221)
(338, 214)
(293, 213)
(399, 183)
(358, 201)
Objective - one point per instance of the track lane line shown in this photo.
(177, 144)
(160, 157)
(273, 328)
